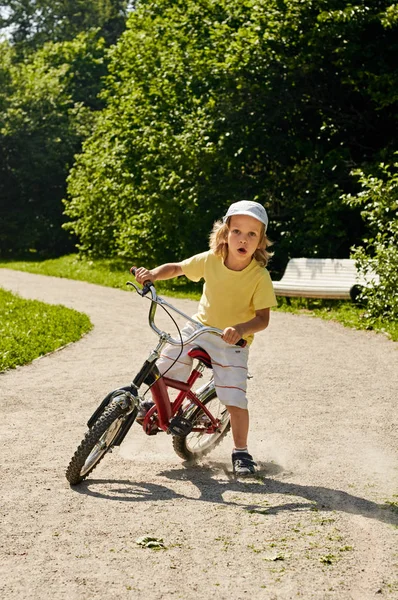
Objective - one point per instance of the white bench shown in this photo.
(335, 278)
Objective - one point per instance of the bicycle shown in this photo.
(197, 420)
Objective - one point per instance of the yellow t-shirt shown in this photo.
(229, 297)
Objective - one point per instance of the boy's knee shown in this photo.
(236, 409)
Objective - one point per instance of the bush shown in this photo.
(379, 203)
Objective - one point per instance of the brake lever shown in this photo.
(135, 286)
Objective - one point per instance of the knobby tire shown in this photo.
(97, 441)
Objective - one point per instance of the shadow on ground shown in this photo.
(214, 480)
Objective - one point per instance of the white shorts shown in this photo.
(229, 365)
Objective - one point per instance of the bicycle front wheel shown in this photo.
(199, 443)
(96, 443)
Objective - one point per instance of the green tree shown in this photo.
(48, 105)
(32, 23)
(213, 101)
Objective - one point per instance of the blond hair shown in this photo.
(219, 245)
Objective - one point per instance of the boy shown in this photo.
(237, 297)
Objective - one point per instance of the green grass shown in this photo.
(115, 273)
(342, 311)
(29, 329)
(111, 273)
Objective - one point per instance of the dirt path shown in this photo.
(315, 523)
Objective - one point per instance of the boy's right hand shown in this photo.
(142, 275)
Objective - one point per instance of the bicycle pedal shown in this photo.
(180, 426)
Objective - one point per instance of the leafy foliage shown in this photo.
(30, 328)
(213, 101)
(378, 201)
(47, 109)
(32, 23)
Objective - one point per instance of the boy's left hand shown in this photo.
(232, 335)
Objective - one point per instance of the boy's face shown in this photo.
(245, 235)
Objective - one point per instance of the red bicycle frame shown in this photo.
(160, 415)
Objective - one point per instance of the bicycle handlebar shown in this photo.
(155, 300)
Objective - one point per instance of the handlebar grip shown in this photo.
(242, 343)
(147, 283)
(133, 271)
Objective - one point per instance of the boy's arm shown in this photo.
(233, 334)
(166, 271)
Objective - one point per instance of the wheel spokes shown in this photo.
(101, 446)
(197, 442)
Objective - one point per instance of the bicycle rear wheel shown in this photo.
(199, 443)
(96, 443)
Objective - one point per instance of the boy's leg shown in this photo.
(242, 461)
(239, 425)
(230, 379)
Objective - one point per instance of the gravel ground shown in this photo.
(319, 521)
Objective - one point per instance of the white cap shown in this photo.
(251, 209)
